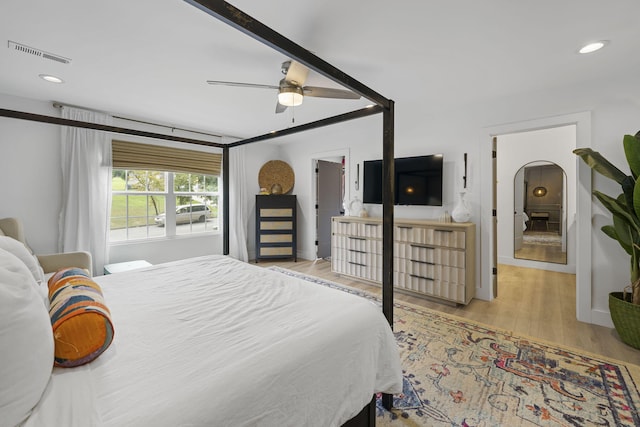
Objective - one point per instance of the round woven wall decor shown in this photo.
(276, 172)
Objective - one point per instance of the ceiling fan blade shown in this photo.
(296, 72)
(326, 92)
(280, 108)
(239, 84)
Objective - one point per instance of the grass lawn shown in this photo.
(139, 207)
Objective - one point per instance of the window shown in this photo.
(163, 191)
(147, 204)
(196, 203)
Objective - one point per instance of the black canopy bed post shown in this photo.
(225, 200)
(388, 189)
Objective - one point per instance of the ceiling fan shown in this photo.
(291, 90)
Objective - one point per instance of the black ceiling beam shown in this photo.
(356, 114)
(107, 128)
(246, 24)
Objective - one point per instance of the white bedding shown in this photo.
(212, 341)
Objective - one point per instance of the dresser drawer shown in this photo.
(432, 254)
(276, 212)
(276, 238)
(371, 230)
(432, 287)
(276, 250)
(439, 236)
(276, 225)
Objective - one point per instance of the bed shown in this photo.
(215, 341)
(335, 400)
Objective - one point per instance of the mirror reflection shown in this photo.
(539, 213)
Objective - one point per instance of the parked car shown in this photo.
(186, 214)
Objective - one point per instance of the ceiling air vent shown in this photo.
(37, 52)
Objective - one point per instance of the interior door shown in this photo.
(518, 210)
(329, 203)
(494, 202)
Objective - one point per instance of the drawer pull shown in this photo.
(357, 251)
(406, 227)
(421, 277)
(371, 225)
(415, 245)
(443, 231)
(357, 238)
(357, 263)
(422, 262)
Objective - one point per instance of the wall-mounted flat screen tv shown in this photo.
(418, 181)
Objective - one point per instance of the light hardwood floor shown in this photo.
(536, 303)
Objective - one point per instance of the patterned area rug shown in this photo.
(459, 373)
(544, 238)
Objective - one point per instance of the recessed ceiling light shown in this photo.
(50, 78)
(592, 47)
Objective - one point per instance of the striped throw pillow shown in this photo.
(82, 328)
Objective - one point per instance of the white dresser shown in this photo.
(431, 258)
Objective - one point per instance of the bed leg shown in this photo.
(372, 412)
(366, 417)
(387, 401)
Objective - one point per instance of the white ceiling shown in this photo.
(150, 59)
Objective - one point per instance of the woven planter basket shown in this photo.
(626, 318)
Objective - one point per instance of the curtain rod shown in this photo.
(57, 104)
(106, 128)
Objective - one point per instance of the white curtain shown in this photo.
(86, 191)
(238, 205)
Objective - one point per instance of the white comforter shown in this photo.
(212, 341)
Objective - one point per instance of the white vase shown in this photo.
(461, 212)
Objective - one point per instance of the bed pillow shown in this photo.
(26, 341)
(82, 328)
(66, 272)
(20, 250)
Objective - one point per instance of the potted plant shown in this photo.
(623, 306)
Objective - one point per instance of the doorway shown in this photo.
(578, 226)
(329, 198)
(539, 226)
(546, 155)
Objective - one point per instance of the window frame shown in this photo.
(170, 195)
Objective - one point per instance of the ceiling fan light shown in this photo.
(290, 96)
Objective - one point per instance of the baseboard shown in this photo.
(602, 318)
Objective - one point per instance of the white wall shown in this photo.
(516, 150)
(31, 174)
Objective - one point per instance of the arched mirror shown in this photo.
(540, 219)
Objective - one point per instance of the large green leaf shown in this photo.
(625, 231)
(636, 199)
(610, 231)
(598, 163)
(632, 152)
(618, 207)
(628, 187)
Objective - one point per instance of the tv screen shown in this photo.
(418, 181)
